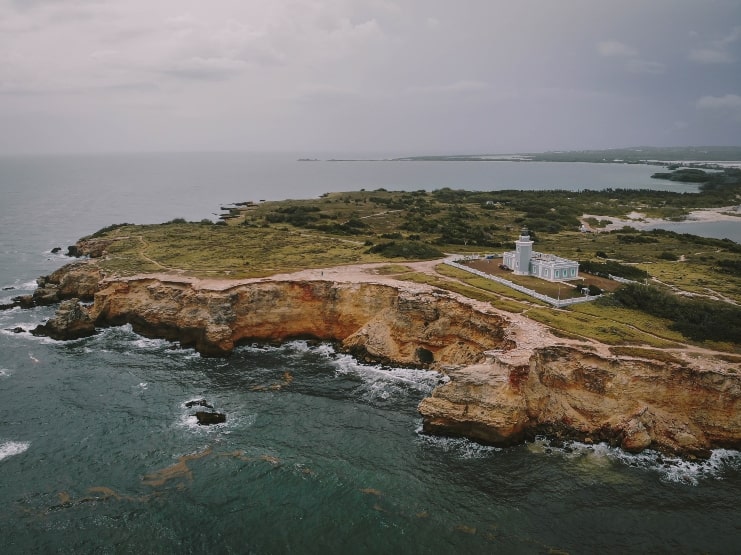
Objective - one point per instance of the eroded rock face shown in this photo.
(573, 393)
(74, 281)
(71, 321)
(375, 322)
(93, 247)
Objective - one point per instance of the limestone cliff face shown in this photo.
(574, 393)
(510, 378)
(371, 320)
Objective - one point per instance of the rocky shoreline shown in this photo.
(510, 378)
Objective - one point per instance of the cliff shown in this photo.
(510, 378)
(571, 392)
(373, 321)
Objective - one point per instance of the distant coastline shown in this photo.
(711, 157)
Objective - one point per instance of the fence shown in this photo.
(452, 261)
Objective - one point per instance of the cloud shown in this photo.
(613, 48)
(432, 23)
(456, 87)
(729, 101)
(207, 69)
(313, 92)
(633, 64)
(645, 66)
(367, 71)
(717, 51)
(710, 56)
(729, 104)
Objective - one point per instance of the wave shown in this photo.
(422, 380)
(115, 337)
(671, 469)
(26, 334)
(461, 447)
(19, 285)
(294, 348)
(375, 383)
(10, 448)
(4, 372)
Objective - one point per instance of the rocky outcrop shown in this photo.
(205, 418)
(73, 281)
(71, 321)
(573, 393)
(93, 248)
(509, 378)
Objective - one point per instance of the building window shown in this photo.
(557, 274)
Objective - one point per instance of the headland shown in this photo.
(362, 270)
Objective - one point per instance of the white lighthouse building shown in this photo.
(524, 261)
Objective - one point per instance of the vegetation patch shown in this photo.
(611, 267)
(409, 250)
(697, 319)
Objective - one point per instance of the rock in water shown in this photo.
(208, 418)
(70, 322)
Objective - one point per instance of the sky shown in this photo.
(404, 76)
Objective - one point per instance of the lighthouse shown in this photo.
(523, 253)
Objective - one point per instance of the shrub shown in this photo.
(610, 267)
(405, 249)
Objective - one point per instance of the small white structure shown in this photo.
(523, 261)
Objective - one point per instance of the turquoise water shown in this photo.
(319, 454)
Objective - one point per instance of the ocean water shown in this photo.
(319, 453)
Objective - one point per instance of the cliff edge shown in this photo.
(510, 378)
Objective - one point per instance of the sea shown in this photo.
(320, 453)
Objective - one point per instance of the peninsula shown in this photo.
(654, 363)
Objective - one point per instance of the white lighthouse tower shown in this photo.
(523, 253)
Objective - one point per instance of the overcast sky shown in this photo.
(406, 76)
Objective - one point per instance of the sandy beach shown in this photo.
(639, 220)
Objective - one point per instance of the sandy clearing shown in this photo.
(639, 220)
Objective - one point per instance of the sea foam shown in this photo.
(461, 447)
(10, 448)
(670, 469)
